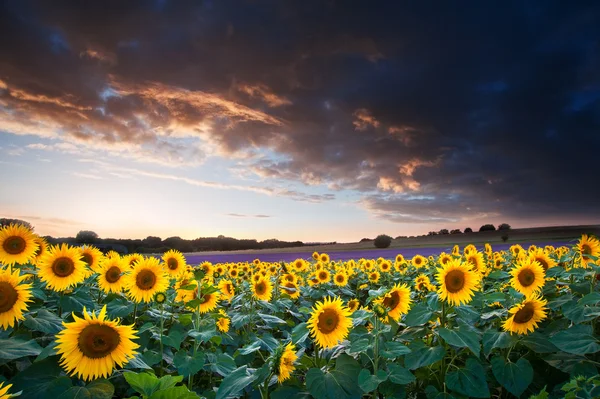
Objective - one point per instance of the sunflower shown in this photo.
(385, 266)
(323, 276)
(92, 257)
(315, 255)
(516, 249)
(422, 282)
(444, 258)
(174, 263)
(262, 290)
(541, 256)
(324, 258)
(290, 289)
(457, 282)
(227, 289)
(17, 245)
(42, 249)
(397, 301)
(13, 297)
(476, 260)
(353, 305)
(91, 347)
(146, 279)
(528, 277)
(330, 322)
(299, 265)
(208, 268)
(418, 261)
(223, 321)
(340, 279)
(110, 274)
(456, 250)
(208, 300)
(374, 277)
(185, 295)
(132, 259)
(62, 268)
(488, 249)
(526, 316)
(587, 246)
(286, 363)
(4, 391)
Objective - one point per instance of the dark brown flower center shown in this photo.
(97, 340)
(455, 281)
(113, 274)
(525, 314)
(586, 250)
(260, 288)
(353, 305)
(339, 278)
(391, 300)
(172, 264)
(8, 296)
(145, 280)
(14, 245)
(542, 262)
(87, 258)
(323, 275)
(290, 288)
(526, 277)
(328, 321)
(63, 267)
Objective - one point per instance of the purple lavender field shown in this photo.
(374, 253)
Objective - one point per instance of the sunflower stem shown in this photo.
(135, 313)
(264, 392)
(162, 326)
(317, 356)
(376, 351)
(443, 325)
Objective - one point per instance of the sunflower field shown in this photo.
(472, 322)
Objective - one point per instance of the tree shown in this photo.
(86, 237)
(152, 242)
(504, 226)
(455, 231)
(6, 222)
(444, 231)
(487, 227)
(468, 230)
(383, 241)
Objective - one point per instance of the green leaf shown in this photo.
(576, 312)
(542, 395)
(433, 393)
(424, 357)
(144, 383)
(515, 377)
(98, 389)
(76, 301)
(300, 333)
(368, 382)
(462, 338)
(239, 379)
(271, 320)
(469, 381)
(15, 348)
(418, 315)
(578, 340)
(186, 364)
(496, 339)
(206, 331)
(253, 347)
(467, 313)
(360, 345)
(49, 350)
(394, 349)
(590, 299)
(287, 392)
(41, 380)
(180, 392)
(138, 363)
(44, 321)
(539, 343)
(400, 375)
(175, 337)
(222, 364)
(498, 275)
(340, 383)
(119, 307)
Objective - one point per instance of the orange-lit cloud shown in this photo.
(264, 93)
(363, 119)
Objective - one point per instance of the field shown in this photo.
(448, 321)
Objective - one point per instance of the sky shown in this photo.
(316, 121)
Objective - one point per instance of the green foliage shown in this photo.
(382, 241)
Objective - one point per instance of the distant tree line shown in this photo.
(485, 227)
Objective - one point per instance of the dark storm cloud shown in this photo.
(433, 112)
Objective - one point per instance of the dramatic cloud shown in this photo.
(428, 114)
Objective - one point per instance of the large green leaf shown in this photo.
(222, 364)
(369, 382)
(539, 343)
(469, 381)
(467, 313)
(41, 380)
(180, 392)
(515, 377)
(424, 357)
(462, 338)
(15, 348)
(44, 321)
(175, 337)
(76, 301)
(400, 375)
(271, 321)
(119, 307)
(394, 349)
(340, 383)
(147, 384)
(137, 363)
(287, 392)
(300, 333)
(418, 314)
(253, 347)
(496, 339)
(360, 345)
(205, 332)
(99, 389)
(578, 340)
(188, 364)
(239, 379)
